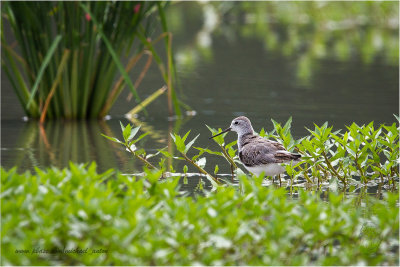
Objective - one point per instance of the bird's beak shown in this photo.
(224, 131)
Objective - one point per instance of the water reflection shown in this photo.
(58, 142)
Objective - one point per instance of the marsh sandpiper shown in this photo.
(259, 155)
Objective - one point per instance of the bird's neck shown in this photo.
(242, 139)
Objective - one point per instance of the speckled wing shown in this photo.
(262, 151)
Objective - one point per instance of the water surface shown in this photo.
(224, 70)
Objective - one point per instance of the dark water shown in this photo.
(223, 72)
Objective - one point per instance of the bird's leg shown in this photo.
(273, 182)
(280, 181)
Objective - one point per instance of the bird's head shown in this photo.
(241, 125)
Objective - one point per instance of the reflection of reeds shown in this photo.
(70, 54)
(57, 143)
(145, 127)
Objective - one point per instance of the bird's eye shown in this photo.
(236, 122)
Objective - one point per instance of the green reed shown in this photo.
(69, 54)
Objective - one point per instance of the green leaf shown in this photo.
(185, 136)
(165, 153)
(190, 144)
(134, 132)
(220, 138)
(45, 62)
(216, 169)
(198, 155)
(397, 117)
(276, 124)
(307, 145)
(152, 155)
(212, 130)
(231, 144)
(351, 151)
(340, 153)
(232, 153)
(287, 126)
(122, 126)
(263, 133)
(180, 145)
(112, 139)
(208, 151)
(378, 170)
(127, 132)
(289, 169)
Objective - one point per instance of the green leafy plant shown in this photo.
(361, 151)
(196, 161)
(69, 54)
(128, 134)
(228, 152)
(117, 219)
(327, 155)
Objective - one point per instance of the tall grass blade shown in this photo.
(55, 84)
(119, 85)
(74, 84)
(112, 52)
(43, 67)
(171, 67)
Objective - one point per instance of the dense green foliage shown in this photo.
(327, 156)
(69, 54)
(364, 151)
(123, 220)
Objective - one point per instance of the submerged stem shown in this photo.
(333, 169)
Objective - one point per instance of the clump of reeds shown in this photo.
(68, 59)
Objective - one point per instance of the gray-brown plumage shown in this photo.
(256, 150)
(259, 154)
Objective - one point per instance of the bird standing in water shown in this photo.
(259, 155)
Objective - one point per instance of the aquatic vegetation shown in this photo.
(366, 152)
(128, 134)
(362, 151)
(77, 216)
(68, 54)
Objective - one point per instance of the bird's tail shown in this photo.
(295, 156)
(286, 156)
